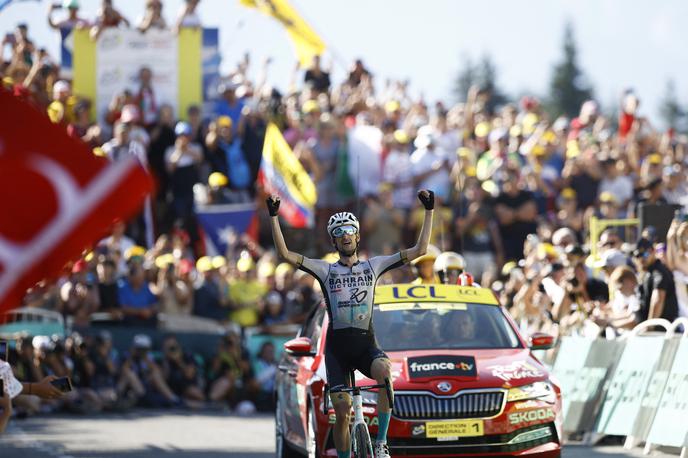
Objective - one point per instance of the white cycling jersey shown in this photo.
(348, 291)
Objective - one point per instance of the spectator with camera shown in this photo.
(146, 378)
(181, 373)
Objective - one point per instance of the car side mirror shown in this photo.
(541, 341)
(301, 346)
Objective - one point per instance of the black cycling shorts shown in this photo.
(346, 350)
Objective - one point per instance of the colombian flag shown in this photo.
(282, 174)
(306, 41)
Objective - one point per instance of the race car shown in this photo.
(466, 382)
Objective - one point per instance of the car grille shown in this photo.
(469, 404)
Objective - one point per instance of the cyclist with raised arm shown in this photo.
(348, 286)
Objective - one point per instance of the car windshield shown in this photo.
(420, 326)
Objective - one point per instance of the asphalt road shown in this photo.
(147, 434)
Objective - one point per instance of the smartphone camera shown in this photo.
(63, 384)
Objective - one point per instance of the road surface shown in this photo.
(149, 434)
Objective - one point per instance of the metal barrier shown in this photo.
(635, 386)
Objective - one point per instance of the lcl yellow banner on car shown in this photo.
(405, 293)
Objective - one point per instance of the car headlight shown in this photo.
(369, 397)
(541, 391)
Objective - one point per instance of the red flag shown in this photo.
(56, 197)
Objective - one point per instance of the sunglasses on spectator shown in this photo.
(641, 254)
(610, 243)
(344, 230)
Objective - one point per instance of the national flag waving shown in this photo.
(56, 197)
(306, 41)
(221, 223)
(281, 173)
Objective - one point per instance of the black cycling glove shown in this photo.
(428, 200)
(273, 205)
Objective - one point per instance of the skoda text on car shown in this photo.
(466, 382)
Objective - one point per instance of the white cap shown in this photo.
(612, 258)
(142, 341)
(60, 86)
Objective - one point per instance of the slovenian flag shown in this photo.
(282, 174)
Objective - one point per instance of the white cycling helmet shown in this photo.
(341, 219)
(449, 260)
(448, 266)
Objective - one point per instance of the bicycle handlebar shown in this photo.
(387, 385)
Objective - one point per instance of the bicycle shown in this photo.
(361, 444)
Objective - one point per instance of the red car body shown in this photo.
(431, 414)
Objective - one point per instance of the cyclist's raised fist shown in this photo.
(273, 203)
(427, 198)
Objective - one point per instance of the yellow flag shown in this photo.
(283, 174)
(306, 41)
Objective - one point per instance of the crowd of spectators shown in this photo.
(165, 377)
(516, 189)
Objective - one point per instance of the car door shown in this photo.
(295, 372)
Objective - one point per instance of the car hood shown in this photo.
(464, 369)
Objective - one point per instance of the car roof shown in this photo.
(405, 292)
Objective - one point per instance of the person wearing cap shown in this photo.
(619, 185)
(657, 287)
(138, 303)
(217, 143)
(583, 292)
(610, 260)
(675, 187)
(218, 192)
(182, 161)
(118, 244)
(624, 305)
(210, 298)
(348, 286)
(569, 213)
(131, 114)
(122, 145)
(79, 295)
(61, 109)
(609, 206)
(174, 295)
(145, 377)
(246, 292)
(651, 194)
(72, 21)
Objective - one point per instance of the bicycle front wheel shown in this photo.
(362, 446)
